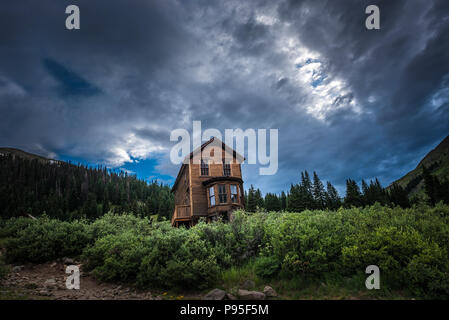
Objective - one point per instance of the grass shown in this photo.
(333, 287)
(235, 276)
(17, 294)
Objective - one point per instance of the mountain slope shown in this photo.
(436, 160)
(24, 155)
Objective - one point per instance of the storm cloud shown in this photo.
(348, 102)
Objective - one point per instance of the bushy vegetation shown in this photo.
(3, 268)
(46, 239)
(266, 266)
(11, 227)
(410, 246)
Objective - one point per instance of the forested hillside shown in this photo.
(62, 190)
(435, 163)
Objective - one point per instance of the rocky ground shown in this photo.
(48, 281)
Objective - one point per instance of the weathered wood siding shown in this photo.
(200, 200)
(182, 196)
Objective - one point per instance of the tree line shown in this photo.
(67, 191)
(436, 190)
(312, 194)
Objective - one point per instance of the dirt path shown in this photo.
(48, 281)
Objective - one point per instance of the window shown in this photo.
(226, 169)
(211, 196)
(234, 194)
(222, 193)
(204, 168)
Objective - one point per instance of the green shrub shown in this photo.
(248, 230)
(307, 243)
(390, 248)
(10, 228)
(47, 239)
(411, 247)
(266, 267)
(112, 223)
(428, 272)
(116, 256)
(178, 258)
(219, 238)
(165, 257)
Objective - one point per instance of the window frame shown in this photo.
(236, 194)
(204, 166)
(212, 197)
(222, 195)
(227, 165)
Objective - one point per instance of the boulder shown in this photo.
(230, 296)
(251, 295)
(44, 292)
(50, 283)
(269, 292)
(216, 294)
(68, 261)
(17, 268)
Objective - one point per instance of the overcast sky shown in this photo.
(348, 102)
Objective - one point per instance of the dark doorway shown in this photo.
(224, 215)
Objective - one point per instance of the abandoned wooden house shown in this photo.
(209, 184)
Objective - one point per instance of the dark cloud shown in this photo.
(69, 82)
(348, 102)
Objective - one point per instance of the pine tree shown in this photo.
(353, 196)
(319, 194)
(306, 191)
(295, 199)
(398, 196)
(90, 206)
(272, 202)
(429, 185)
(378, 193)
(444, 191)
(283, 201)
(259, 200)
(305, 181)
(366, 194)
(252, 202)
(333, 200)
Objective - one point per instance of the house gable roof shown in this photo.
(214, 140)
